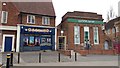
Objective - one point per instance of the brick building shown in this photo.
(27, 28)
(81, 28)
(112, 31)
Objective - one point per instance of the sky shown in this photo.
(98, 6)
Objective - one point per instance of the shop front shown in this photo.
(33, 38)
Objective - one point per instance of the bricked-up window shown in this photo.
(76, 35)
(4, 17)
(46, 20)
(31, 19)
(95, 34)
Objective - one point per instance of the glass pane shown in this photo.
(4, 16)
(31, 40)
(33, 19)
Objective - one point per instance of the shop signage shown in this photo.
(84, 21)
(36, 30)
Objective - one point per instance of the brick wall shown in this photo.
(13, 13)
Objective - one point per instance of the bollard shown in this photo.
(58, 57)
(39, 57)
(18, 58)
(8, 61)
(70, 56)
(11, 60)
(75, 56)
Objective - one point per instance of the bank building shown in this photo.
(79, 28)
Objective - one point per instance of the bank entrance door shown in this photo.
(62, 42)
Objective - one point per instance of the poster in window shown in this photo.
(31, 41)
(37, 41)
(25, 40)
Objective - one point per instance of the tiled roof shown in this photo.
(42, 8)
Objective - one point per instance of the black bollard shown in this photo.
(39, 57)
(70, 55)
(58, 57)
(11, 60)
(75, 56)
(8, 61)
(18, 58)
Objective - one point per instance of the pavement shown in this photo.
(89, 63)
(50, 58)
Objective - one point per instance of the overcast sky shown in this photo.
(98, 6)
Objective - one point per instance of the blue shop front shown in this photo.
(33, 38)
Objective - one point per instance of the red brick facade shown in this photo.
(68, 28)
(17, 16)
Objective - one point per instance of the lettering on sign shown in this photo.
(37, 30)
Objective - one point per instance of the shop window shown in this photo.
(45, 41)
(76, 35)
(25, 40)
(37, 41)
(4, 17)
(31, 40)
(45, 20)
(96, 36)
(31, 19)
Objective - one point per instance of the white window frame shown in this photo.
(77, 33)
(94, 28)
(31, 19)
(43, 20)
(86, 29)
(2, 20)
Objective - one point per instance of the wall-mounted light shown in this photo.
(62, 32)
(4, 4)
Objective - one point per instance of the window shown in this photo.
(76, 35)
(86, 34)
(31, 19)
(108, 31)
(117, 29)
(96, 36)
(113, 30)
(4, 17)
(45, 20)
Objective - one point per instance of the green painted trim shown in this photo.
(84, 21)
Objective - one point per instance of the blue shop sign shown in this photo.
(36, 30)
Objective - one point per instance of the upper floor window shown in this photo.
(31, 19)
(45, 20)
(4, 17)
